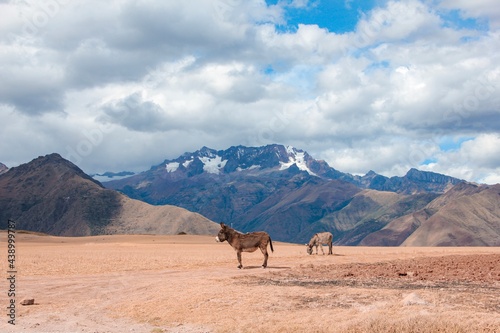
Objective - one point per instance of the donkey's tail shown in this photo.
(271, 243)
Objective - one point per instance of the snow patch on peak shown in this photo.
(296, 157)
(291, 150)
(213, 165)
(172, 167)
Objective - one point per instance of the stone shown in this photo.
(28, 301)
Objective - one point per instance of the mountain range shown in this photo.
(286, 192)
(275, 188)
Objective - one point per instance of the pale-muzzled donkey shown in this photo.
(248, 242)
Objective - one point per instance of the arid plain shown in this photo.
(184, 283)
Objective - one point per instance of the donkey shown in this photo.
(248, 242)
(319, 239)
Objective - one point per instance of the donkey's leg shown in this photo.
(321, 247)
(330, 248)
(239, 259)
(266, 255)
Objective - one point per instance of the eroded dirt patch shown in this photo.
(462, 277)
(477, 270)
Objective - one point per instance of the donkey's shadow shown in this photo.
(268, 267)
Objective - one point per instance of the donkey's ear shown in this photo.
(222, 225)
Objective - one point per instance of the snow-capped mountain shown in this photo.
(298, 158)
(272, 158)
(240, 158)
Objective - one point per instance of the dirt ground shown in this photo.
(191, 284)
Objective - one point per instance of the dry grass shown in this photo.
(417, 324)
(191, 284)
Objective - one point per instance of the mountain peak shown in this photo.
(429, 176)
(53, 162)
(207, 152)
(371, 173)
(299, 158)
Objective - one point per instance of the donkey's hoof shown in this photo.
(240, 266)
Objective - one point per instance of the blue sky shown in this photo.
(365, 85)
(452, 144)
(338, 16)
(341, 16)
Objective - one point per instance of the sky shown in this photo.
(364, 85)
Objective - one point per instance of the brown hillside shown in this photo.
(369, 212)
(52, 195)
(137, 217)
(466, 215)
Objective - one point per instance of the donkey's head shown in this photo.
(222, 235)
(309, 249)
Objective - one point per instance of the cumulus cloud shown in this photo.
(144, 81)
(135, 114)
(477, 159)
(484, 9)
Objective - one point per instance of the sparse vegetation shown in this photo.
(100, 208)
(414, 324)
(157, 330)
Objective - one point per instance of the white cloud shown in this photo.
(157, 79)
(398, 21)
(476, 9)
(477, 159)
